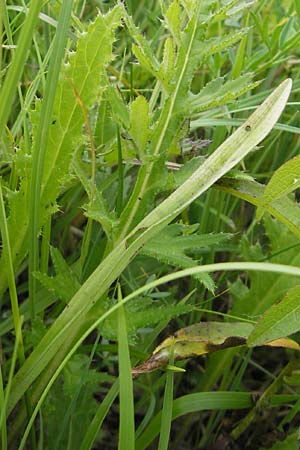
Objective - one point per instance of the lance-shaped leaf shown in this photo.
(218, 92)
(139, 124)
(284, 208)
(278, 321)
(202, 338)
(285, 180)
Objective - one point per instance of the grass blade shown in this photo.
(126, 429)
(93, 430)
(202, 401)
(166, 419)
(39, 151)
(15, 71)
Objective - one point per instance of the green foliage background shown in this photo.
(110, 113)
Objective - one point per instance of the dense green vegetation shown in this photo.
(149, 222)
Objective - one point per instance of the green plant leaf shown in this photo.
(173, 20)
(173, 243)
(139, 124)
(126, 428)
(284, 209)
(286, 179)
(281, 320)
(217, 92)
(263, 290)
(65, 284)
(94, 51)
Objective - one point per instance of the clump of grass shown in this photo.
(94, 219)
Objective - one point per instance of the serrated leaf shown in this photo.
(86, 65)
(119, 109)
(99, 212)
(173, 20)
(281, 320)
(139, 124)
(167, 65)
(65, 284)
(142, 50)
(94, 51)
(286, 179)
(216, 93)
(173, 243)
(141, 313)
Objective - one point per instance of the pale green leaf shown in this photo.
(173, 20)
(86, 65)
(139, 124)
(167, 65)
(218, 92)
(281, 320)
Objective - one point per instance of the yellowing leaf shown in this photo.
(202, 338)
(284, 342)
(196, 340)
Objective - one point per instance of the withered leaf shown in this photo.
(202, 338)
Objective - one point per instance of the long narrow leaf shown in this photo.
(126, 430)
(14, 73)
(39, 152)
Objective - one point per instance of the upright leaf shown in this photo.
(139, 124)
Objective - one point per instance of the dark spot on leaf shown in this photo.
(247, 128)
